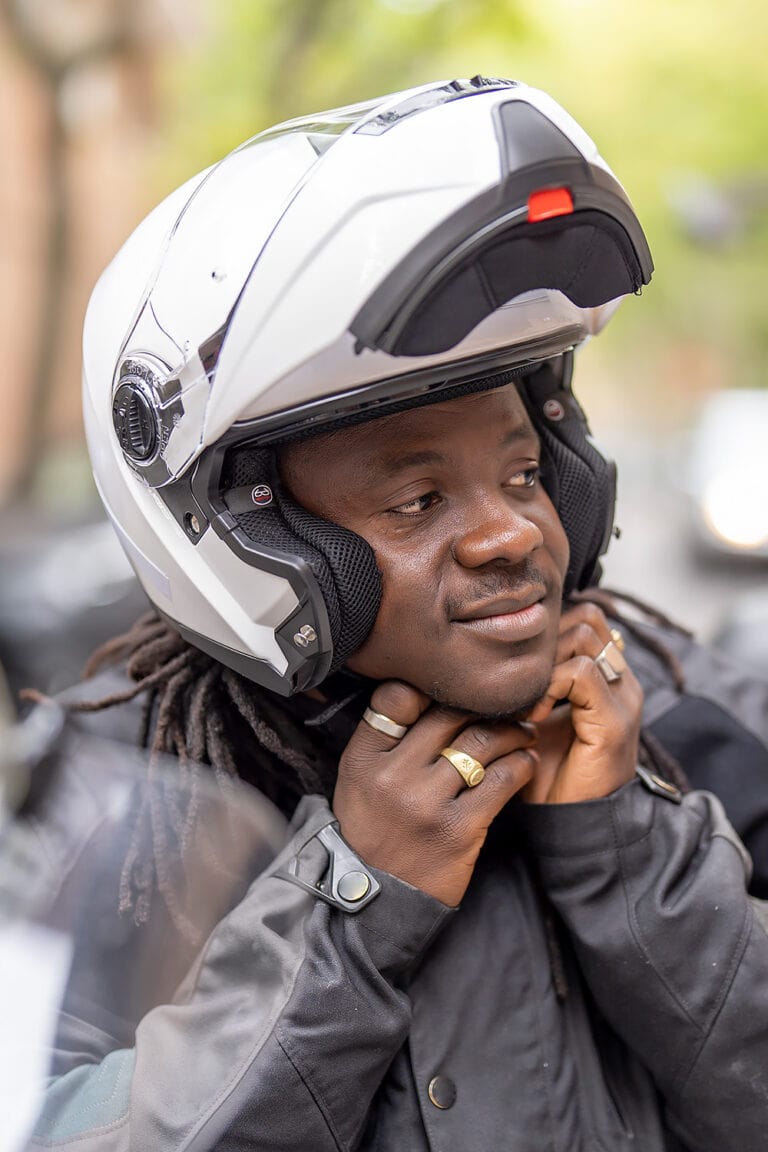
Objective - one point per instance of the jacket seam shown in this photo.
(254, 1052)
(611, 850)
(704, 1029)
(297, 1065)
(746, 932)
(635, 929)
(101, 1130)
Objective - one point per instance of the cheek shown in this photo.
(560, 548)
(555, 539)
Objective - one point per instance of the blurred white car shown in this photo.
(727, 474)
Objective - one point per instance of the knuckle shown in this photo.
(476, 739)
(585, 635)
(585, 666)
(593, 616)
(514, 770)
(382, 783)
(397, 700)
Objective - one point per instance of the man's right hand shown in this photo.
(405, 809)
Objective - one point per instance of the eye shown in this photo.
(526, 478)
(416, 506)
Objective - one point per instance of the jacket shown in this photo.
(634, 1017)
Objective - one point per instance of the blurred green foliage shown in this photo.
(675, 93)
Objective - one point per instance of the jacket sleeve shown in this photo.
(278, 1037)
(716, 727)
(674, 951)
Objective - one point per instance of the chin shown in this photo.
(511, 699)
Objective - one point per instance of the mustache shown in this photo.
(498, 584)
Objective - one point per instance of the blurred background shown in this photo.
(106, 105)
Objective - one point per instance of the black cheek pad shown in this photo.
(581, 484)
(341, 561)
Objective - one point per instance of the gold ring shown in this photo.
(610, 662)
(470, 770)
(383, 724)
(618, 639)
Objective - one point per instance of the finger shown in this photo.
(589, 616)
(580, 681)
(577, 680)
(485, 744)
(587, 611)
(399, 702)
(503, 779)
(580, 640)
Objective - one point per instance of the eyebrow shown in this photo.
(400, 461)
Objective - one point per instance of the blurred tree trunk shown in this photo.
(54, 67)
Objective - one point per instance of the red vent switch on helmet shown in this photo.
(548, 202)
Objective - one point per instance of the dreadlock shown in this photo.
(203, 713)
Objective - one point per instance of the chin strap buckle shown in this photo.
(346, 883)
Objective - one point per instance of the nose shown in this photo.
(495, 532)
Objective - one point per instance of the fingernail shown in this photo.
(528, 726)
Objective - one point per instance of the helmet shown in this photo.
(442, 240)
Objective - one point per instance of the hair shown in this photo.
(208, 717)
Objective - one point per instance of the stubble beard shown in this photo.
(521, 700)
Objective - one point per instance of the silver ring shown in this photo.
(383, 724)
(611, 663)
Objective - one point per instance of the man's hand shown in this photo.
(405, 809)
(587, 747)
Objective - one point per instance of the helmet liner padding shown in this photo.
(341, 561)
(579, 481)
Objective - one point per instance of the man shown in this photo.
(333, 425)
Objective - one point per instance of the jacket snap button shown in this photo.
(442, 1091)
(353, 886)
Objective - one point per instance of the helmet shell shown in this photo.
(332, 267)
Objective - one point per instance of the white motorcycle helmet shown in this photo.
(447, 239)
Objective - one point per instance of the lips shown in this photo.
(510, 619)
(503, 606)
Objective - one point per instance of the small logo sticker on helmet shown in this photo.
(553, 410)
(261, 495)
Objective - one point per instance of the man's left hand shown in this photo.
(588, 729)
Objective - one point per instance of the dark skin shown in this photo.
(470, 645)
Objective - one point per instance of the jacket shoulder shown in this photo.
(715, 725)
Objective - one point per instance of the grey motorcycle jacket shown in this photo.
(603, 986)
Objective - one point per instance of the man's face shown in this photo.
(471, 552)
